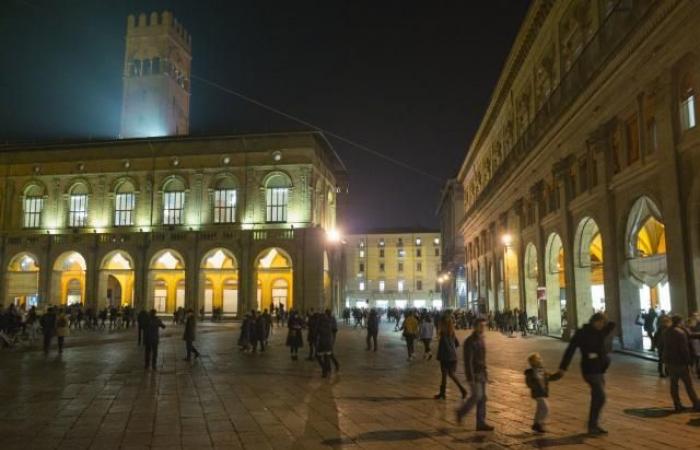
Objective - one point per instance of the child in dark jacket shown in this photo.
(537, 379)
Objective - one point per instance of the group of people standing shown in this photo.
(321, 328)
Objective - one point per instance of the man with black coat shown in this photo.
(372, 329)
(48, 327)
(591, 340)
(676, 354)
(189, 335)
(312, 329)
(152, 339)
(142, 321)
(474, 349)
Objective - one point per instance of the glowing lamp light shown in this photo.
(333, 235)
(507, 239)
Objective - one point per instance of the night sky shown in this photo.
(408, 79)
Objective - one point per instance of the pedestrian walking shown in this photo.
(325, 337)
(372, 329)
(311, 329)
(591, 340)
(142, 322)
(62, 326)
(537, 379)
(48, 327)
(477, 376)
(447, 355)
(427, 329)
(658, 341)
(410, 332)
(189, 335)
(678, 360)
(294, 334)
(152, 339)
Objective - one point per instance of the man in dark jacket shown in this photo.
(591, 340)
(189, 335)
(475, 369)
(142, 321)
(152, 339)
(48, 327)
(312, 326)
(676, 354)
(372, 329)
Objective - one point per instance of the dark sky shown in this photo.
(408, 79)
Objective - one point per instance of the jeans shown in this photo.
(542, 410)
(372, 338)
(597, 383)
(681, 373)
(476, 398)
(409, 344)
(447, 369)
(151, 354)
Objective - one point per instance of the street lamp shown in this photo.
(333, 236)
(507, 240)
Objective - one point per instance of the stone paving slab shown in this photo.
(97, 395)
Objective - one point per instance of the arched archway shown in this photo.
(588, 270)
(219, 282)
(646, 259)
(531, 283)
(555, 280)
(166, 276)
(116, 280)
(22, 281)
(68, 280)
(272, 265)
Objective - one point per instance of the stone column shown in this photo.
(562, 172)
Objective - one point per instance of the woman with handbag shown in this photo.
(447, 355)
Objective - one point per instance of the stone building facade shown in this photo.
(580, 187)
(452, 273)
(156, 78)
(387, 268)
(229, 222)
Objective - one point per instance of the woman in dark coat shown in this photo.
(294, 338)
(447, 355)
(245, 338)
(189, 336)
(325, 338)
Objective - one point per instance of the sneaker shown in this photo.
(537, 428)
(596, 431)
(484, 427)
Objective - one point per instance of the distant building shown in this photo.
(393, 268)
(452, 274)
(157, 59)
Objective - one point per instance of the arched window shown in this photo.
(78, 206)
(124, 203)
(277, 198)
(33, 205)
(173, 202)
(687, 101)
(225, 201)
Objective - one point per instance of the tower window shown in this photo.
(688, 111)
(33, 205)
(124, 209)
(174, 203)
(77, 206)
(277, 198)
(225, 202)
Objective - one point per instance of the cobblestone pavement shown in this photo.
(97, 395)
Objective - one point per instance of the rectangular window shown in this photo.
(32, 211)
(173, 207)
(362, 267)
(437, 252)
(124, 209)
(419, 253)
(381, 285)
(632, 127)
(381, 253)
(362, 285)
(277, 199)
(362, 253)
(419, 267)
(419, 285)
(77, 210)
(224, 206)
(400, 267)
(688, 112)
(402, 253)
(400, 286)
(381, 267)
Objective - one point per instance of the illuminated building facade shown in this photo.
(229, 222)
(387, 268)
(452, 272)
(579, 187)
(157, 59)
